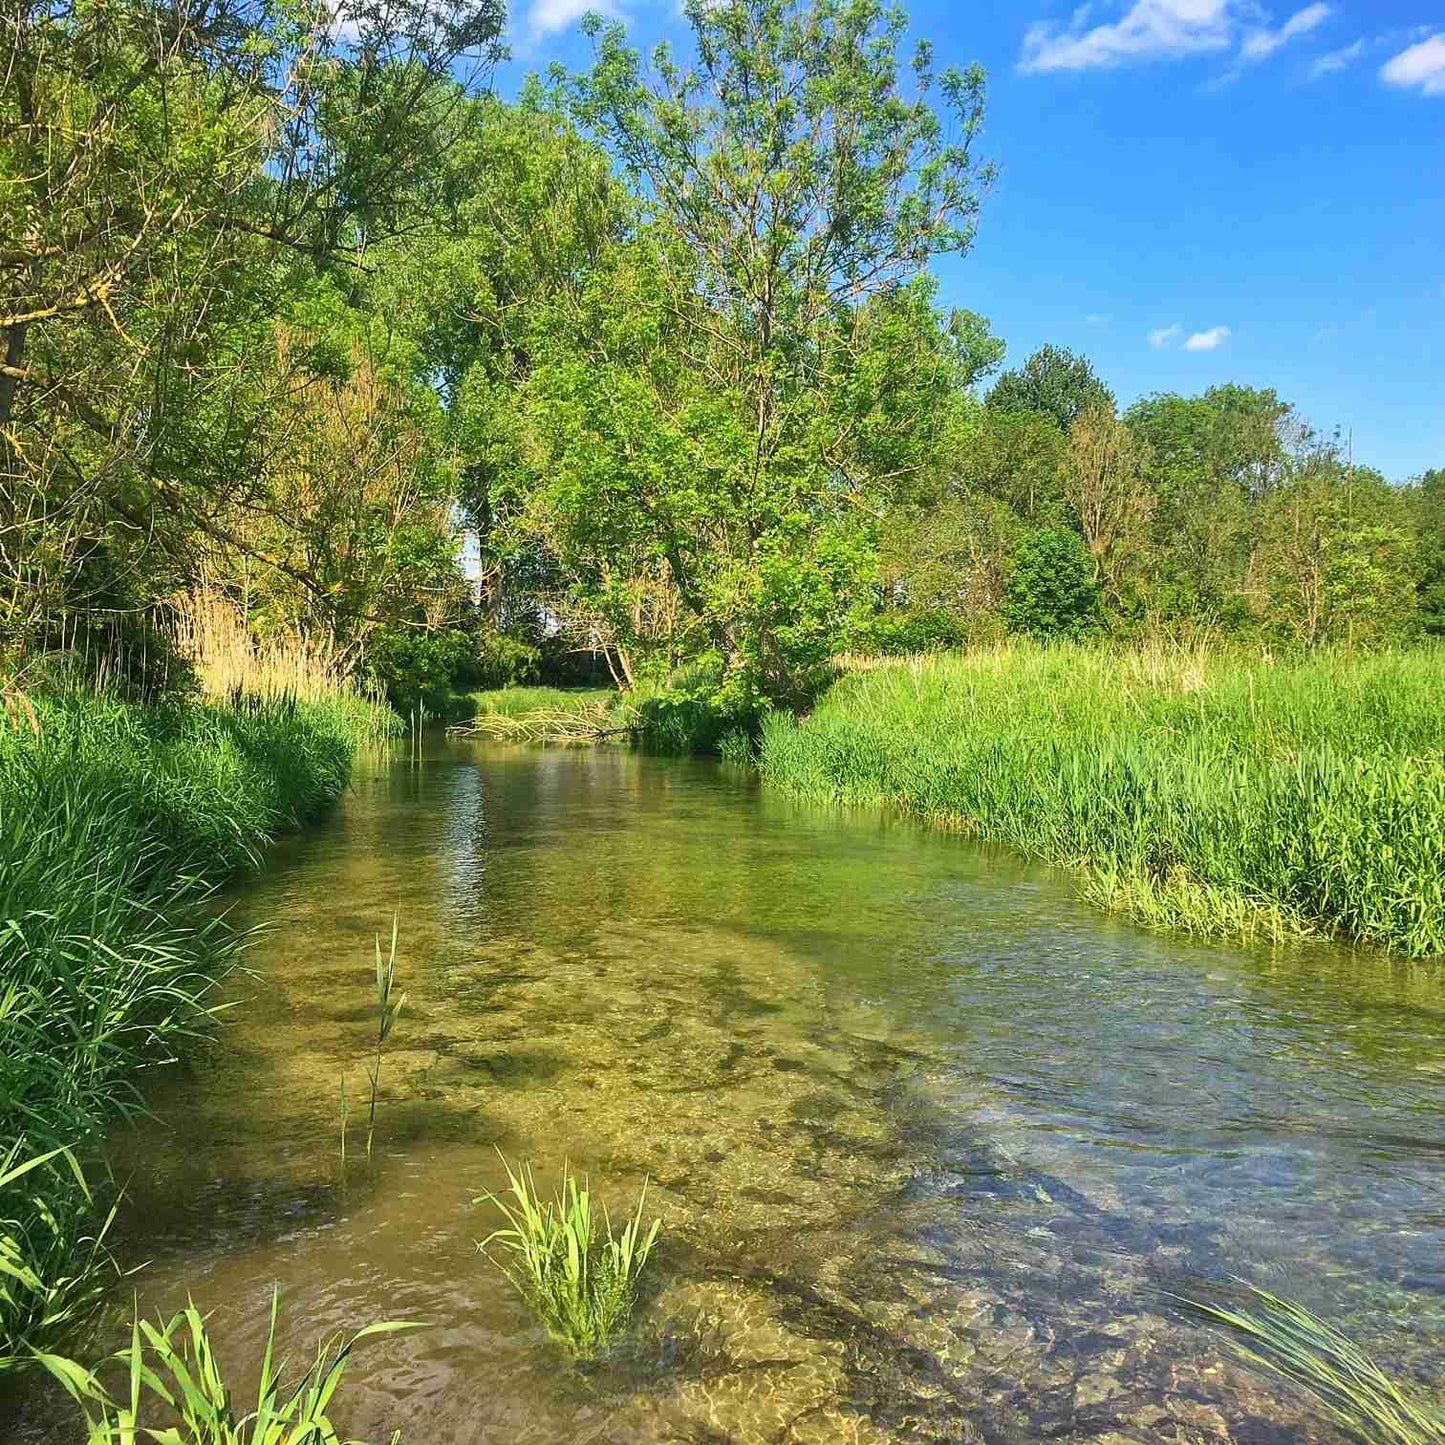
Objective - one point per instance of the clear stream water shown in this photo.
(932, 1140)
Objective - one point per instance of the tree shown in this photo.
(173, 176)
(1335, 560)
(1053, 593)
(1106, 486)
(1428, 499)
(1055, 383)
(763, 367)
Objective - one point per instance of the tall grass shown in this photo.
(1208, 794)
(117, 825)
(171, 1373)
(581, 1281)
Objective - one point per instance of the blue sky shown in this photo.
(1194, 192)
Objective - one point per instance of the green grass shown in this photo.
(171, 1374)
(1356, 1393)
(581, 1281)
(1207, 794)
(520, 701)
(117, 825)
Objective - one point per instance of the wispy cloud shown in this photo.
(1421, 67)
(1209, 340)
(1164, 336)
(547, 17)
(1261, 44)
(1336, 60)
(1166, 29)
(1149, 29)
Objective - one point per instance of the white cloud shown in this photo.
(1421, 67)
(1148, 29)
(1334, 60)
(1261, 44)
(1164, 335)
(1097, 318)
(1209, 340)
(547, 17)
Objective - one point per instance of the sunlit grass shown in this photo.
(1197, 792)
(581, 1281)
(172, 1375)
(1285, 1338)
(117, 825)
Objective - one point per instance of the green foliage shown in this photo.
(904, 634)
(117, 824)
(1286, 1339)
(172, 1373)
(1200, 793)
(580, 1281)
(1052, 592)
(1429, 527)
(1055, 383)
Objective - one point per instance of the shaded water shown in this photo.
(930, 1137)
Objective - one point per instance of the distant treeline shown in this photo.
(291, 306)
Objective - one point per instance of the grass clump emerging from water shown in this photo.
(1286, 1338)
(1203, 793)
(580, 1281)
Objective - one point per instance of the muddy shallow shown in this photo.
(931, 1139)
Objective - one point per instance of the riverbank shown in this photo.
(1206, 794)
(118, 823)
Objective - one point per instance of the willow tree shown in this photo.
(761, 366)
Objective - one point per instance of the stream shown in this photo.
(932, 1140)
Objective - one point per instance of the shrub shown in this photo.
(1053, 592)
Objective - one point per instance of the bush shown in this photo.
(904, 634)
(1053, 593)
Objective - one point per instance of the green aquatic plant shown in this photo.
(54, 1265)
(388, 1010)
(172, 1372)
(1286, 1338)
(581, 1282)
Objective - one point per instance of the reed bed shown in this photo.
(1209, 794)
(117, 824)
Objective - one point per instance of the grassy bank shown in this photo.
(117, 824)
(1211, 795)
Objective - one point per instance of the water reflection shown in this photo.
(928, 1135)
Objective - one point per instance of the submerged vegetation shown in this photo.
(1285, 1338)
(581, 1281)
(1194, 791)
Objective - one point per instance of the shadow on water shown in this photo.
(930, 1138)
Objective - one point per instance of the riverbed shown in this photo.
(933, 1142)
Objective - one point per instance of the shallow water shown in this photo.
(931, 1139)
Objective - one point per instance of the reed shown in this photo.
(389, 1005)
(117, 825)
(581, 1281)
(172, 1374)
(1280, 1336)
(1198, 792)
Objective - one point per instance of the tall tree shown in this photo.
(1055, 383)
(766, 367)
(171, 174)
